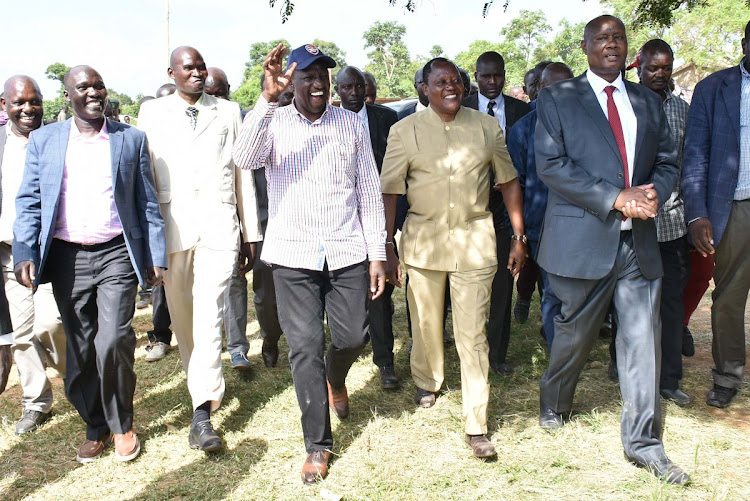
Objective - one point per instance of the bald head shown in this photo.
(166, 90)
(350, 86)
(595, 25)
(71, 75)
(22, 101)
(188, 69)
(371, 88)
(555, 72)
(85, 90)
(217, 83)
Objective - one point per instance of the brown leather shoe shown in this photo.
(127, 446)
(270, 354)
(92, 449)
(338, 400)
(315, 467)
(481, 446)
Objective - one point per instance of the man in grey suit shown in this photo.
(88, 221)
(604, 149)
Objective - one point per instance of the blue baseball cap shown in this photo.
(306, 55)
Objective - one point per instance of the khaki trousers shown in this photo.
(196, 282)
(470, 295)
(38, 338)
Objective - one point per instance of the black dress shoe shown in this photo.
(521, 310)
(677, 396)
(270, 354)
(388, 378)
(503, 369)
(614, 376)
(666, 470)
(203, 437)
(688, 345)
(549, 419)
(425, 398)
(720, 396)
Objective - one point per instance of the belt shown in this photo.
(119, 239)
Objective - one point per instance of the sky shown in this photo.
(127, 41)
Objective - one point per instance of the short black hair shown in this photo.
(656, 46)
(747, 32)
(427, 68)
(491, 55)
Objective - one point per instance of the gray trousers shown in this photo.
(235, 313)
(584, 305)
(732, 279)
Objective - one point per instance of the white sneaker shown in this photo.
(156, 351)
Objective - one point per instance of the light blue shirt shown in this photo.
(498, 109)
(742, 192)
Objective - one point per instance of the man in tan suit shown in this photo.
(199, 188)
(441, 159)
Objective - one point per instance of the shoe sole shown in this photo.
(132, 455)
(390, 386)
(210, 448)
(242, 368)
(35, 427)
(89, 459)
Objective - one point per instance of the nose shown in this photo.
(26, 107)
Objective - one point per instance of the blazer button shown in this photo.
(620, 176)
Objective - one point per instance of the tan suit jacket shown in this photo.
(202, 194)
(446, 166)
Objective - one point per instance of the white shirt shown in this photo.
(12, 164)
(627, 119)
(498, 109)
(363, 114)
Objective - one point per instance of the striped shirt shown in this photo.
(324, 200)
(670, 220)
(742, 192)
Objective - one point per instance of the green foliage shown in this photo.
(258, 53)
(566, 47)
(468, 59)
(523, 36)
(249, 90)
(52, 108)
(57, 71)
(437, 51)
(331, 50)
(389, 59)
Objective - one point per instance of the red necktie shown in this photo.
(614, 123)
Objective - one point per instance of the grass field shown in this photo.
(388, 448)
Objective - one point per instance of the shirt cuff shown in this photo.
(6, 339)
(376, 252)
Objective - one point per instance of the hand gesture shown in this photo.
(276, 80)
(640, 202)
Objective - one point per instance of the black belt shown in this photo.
(118, 240)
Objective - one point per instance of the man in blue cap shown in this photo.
(326, 232)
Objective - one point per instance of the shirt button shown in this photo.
(451, 178)
(447, 127)
(451, 232)
(452, 205)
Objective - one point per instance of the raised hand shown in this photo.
(276, 79)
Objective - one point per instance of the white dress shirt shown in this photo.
(363, 115)
(627, 119)
(498, 109)
(13, 163)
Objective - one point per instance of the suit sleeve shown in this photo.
(27, 227)
(149, 216)
(255, 141)
(695, 160)
(559, 172)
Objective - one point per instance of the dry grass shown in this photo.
(387, 449)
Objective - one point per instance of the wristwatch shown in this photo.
(520, 238)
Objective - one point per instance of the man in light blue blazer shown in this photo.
(88, 221)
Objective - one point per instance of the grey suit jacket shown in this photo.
(578, 159)
(133, 188)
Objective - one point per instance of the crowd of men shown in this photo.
(614, 198)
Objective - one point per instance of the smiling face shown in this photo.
(444, 89)
(23, 102)
(85, 90)
(312, 87)
(606, 46)
(656, 70)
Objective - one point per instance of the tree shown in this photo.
(331, 50)
(566, 47)
(436, 51)
(389, 58)
(523, 36)
(468, 59)
(249, 90)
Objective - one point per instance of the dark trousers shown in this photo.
(701, 272)
(264, 299)
(528, 280)
(95, 289)
(303, 296)
(676, 263)
(381, 328)
(584, 305)
(732, 279)
(498, 329)
(160, 317)
(551, 305)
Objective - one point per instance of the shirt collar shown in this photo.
(745, 74)
(363, 112)
(598, 83)
(76, 133)
(303, 117)
(484, 102)
(9, 134)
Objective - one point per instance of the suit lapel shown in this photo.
(591, 105)
(638, 101)
(372, 124)
(115, 147)
(730, 94)
(206, 115)
(55, 174)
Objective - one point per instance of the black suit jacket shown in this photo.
(514, 109)
(380, 119)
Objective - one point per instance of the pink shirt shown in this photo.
(87, 213)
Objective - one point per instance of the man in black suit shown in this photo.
(350, 86)
(490, 77)
(423, 101)
(603, 147)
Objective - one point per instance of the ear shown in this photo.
(583, 46)
(170, 73)
(424, 88)
(65, 94)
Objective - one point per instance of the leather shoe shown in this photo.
(425, 398)
(270, 354)
(677, 396)
(31, 420)
(6, 360)
(202, 436)
(388, 378)
(338, 401)
(315, 467)
(521, 310)
(614, 376)
(688, 344)
(549, 419)
(502, 369)
(93, 449)
(127, 446)
(720, 396)
(666, 470)
(481, 446)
